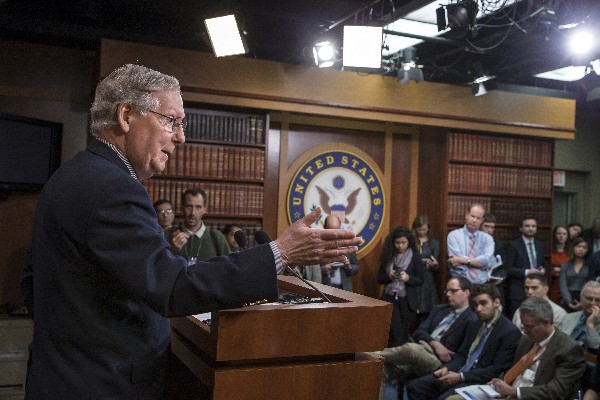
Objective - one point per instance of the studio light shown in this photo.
(325, 54)
(409, 71)
(483, 82)
(225, 36)
(362, 46)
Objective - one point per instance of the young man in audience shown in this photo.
(435, 341)
(193, 240)
(524, 257)
(487, 351)
(548, 364)
(537, 286)
(470, 251)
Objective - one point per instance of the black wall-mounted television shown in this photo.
(30, 152)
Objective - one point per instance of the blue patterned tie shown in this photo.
(474, 355)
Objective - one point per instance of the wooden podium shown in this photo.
(285, 351)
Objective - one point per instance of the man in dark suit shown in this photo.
(548, 363)
(524, 256)
(435, 340)
(486, 352)
(104, 280)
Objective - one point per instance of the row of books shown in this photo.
(223, 199)
(507, 210)
(502, 150)
(219, 162)
(224, 128)
(499, 180)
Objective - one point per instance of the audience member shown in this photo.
(164, 212)
(592, 236)
(470, 251)
(498, 275)
(584, 326)
(594, 267)
(429, 248)
(574, 274)
(229, 231)
(486, 352)
(548, 364)
(105, 282)
(400, 270)
(524, 256)
(537, 286)
(338, 275)
(193, 240)
(558, 256)
(575, 229)
(434, 342)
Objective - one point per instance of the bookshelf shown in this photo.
(224, 154)
(511, 176)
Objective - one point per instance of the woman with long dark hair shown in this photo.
(574, 274)
(399, 270)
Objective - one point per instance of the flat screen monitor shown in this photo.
(30, 152)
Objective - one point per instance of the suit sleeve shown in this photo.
(415, 271)
(503, 356)
(426, 327)
(513, 269)
(123, 235)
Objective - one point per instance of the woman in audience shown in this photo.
(573, 274)
(429, 248)
(575, 229)
(400, 271)
(558, 256)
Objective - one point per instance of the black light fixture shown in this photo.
(409, 71)
(460, 17)
(590, 84)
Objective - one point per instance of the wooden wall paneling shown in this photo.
(432, 188)
(271, 186)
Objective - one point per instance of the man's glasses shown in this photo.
(172, 123)
(166, 211)
(451, 291)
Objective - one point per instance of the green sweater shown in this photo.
(212, 244)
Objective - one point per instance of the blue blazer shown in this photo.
(454, 336)
(517, 261)
(105, 284)
(497, 354)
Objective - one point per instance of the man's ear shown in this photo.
(123, 116)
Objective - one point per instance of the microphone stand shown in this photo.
(323, 295)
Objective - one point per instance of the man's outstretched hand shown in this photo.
(302, 245)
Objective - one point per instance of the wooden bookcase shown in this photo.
(510, 175)
(224, 154)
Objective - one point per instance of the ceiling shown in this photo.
(513, 44)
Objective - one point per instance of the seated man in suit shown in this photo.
(584, 326)
(537, 286)
(524, 257)
(435, 340)
(548, 363)
(486, 352)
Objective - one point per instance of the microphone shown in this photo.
(263, 237)
(241, 239)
